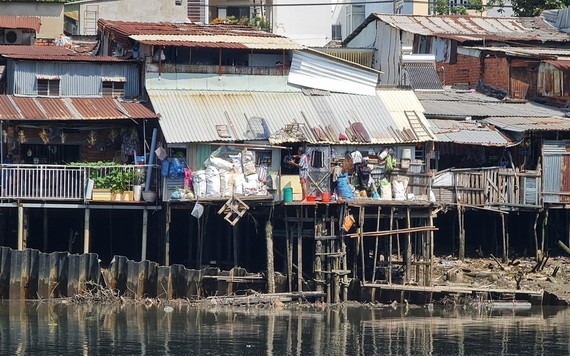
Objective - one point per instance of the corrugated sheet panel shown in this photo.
(192, 115)
(461, 105)
(315, 71)
(422, 76)
(522, 123)
(475, 27)
(220, 40)
(76, 79)
(30, 108)
(553, 153)
(468, 132)
(362, 56)
(20, 22)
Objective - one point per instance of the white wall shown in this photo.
(132, 10)
(307, 25)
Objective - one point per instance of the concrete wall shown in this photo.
(50, 14)
(307, 25)
(127, 10)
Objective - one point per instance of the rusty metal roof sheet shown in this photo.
(52, 53)
(166, 33)
(193, 115)
(20, 22)
(470, 28)
(468, 132)
(522, 123)
(535, 52)
(560, 64)
(43, 108)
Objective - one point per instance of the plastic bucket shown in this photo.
(311, 198)
(288, 195)
(326, 197)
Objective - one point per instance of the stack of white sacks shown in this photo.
(222, 177)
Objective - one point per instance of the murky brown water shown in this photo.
(33, 328)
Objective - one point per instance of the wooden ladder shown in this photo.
(417, 126)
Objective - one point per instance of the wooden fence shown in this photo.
(488, 187)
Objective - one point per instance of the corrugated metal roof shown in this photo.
(401, 104)
(463, 104)
(522, 123)
(315, 70)
(468, 132)
(20, 22)
(560, 64)
(218, 41)
(526, 51)
(192, 116)
(192, 33)
(472, 28)
(52, 53)
(28, 108)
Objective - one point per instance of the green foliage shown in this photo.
(535, 7)
(441, 7)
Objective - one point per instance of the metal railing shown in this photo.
(66, 182)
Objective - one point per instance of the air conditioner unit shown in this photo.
(13, 37)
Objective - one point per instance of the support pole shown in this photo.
(86, 230)
(168, 217)
(376, 245)
(144, 235)
(235, 244)
(390, 246)
(21, 232)
(289, 239)
(460, 222)
(270, 258)
(430, 249)
(300, 249)
(46, 226)
(408, 247)
(361, 217)
(505, 239)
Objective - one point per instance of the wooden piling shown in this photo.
(144, 234)
(461, 229)
(376, 245)
(46, 226)
(289, 248)
(408, 247)
(505, 246)
(300, 248)
(270, 258)
(168, 220)
(21, 232)
(390, 247)
(86, 230)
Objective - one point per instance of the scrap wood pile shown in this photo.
(547, 273)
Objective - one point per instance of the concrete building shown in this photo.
(50, 14)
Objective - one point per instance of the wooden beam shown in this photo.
(270, 258)
(393, 232)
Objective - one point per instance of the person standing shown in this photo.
(356, 160)
(303, 166)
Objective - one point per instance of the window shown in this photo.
(178, 2)
(48, 87)
(355, 16)
(336, 32)
(113, 88)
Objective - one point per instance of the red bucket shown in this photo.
(326, 197)
(311, 198)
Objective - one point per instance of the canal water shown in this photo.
(48, 328)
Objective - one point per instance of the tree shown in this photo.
(535, 7)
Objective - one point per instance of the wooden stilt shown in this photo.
(190, 239)
(86, 230)
(144, 234)
(235, 244)
(361, 216)
(376, 245)
(430, 249)
(168, 220)
(300, 249)
(21, 232)
(320, 228)
(390, 246)
(45, 232)
(270, 258)
(461, 230)
(289, 239)
(408, 247)
(544, 234)
(505, 252)
(399, 253)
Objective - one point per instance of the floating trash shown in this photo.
(168, 309)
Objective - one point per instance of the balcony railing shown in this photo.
(62, 182)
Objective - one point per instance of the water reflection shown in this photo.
(49, 328)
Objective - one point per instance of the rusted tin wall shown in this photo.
(31, 274)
